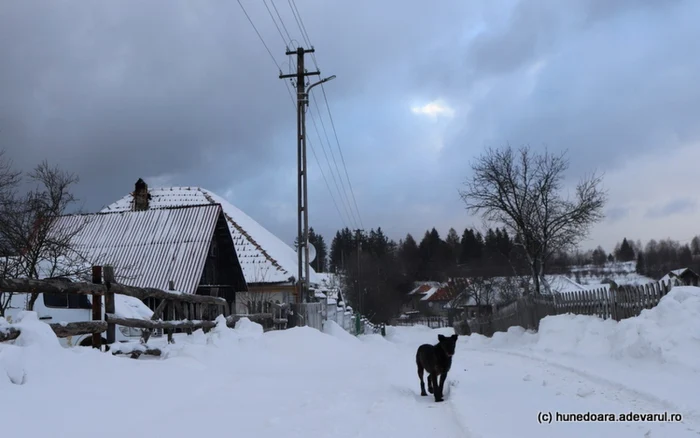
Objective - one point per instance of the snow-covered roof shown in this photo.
(263, 256)
(431, 291)
(147, 248)
(423, 287)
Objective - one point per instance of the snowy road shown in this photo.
(303, 383)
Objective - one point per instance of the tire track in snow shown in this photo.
(651, 403)
(442, 416)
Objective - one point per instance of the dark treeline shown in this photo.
(653, 259)
(379, 271)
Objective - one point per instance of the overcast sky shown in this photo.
(184, 93)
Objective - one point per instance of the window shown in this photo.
(56, 300)
(78, 301)
(67, 301)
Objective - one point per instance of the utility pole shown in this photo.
(360, 300)
(302, 194)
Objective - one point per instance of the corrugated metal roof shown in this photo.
(147, 248)
(262, 255)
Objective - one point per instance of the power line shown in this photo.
(275, 21)
(282, 22)
(305, 36)
(334, 160)
(259, 36)
(289, 91)
(341, 154)
(350, 216)
(343, 194)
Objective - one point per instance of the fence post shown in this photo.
(110, 307)
(97, 306)
(383, 329)
(357, 324)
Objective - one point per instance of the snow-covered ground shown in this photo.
(619, 272)
(304, 383)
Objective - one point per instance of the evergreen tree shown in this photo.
(641, 267)
(410, 258)
(319, 263)
(695, 246)
(626, 253)
(685, 256)
(435, 255)
(453, 244)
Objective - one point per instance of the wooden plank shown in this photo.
(110, 304)
(657, 294)
(97, 306)
(26, 285)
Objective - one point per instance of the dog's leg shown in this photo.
(438, 391)
(431, 388)
(422, 385)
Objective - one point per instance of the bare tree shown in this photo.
(29, 225)
(522, 191)
(257, 301)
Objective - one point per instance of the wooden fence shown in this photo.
(430, 321)
(182, 312)
(613, 303)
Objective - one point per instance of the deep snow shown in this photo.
(302, 383)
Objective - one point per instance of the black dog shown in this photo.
(436, 360)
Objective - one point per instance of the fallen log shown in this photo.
(256, 317)
(64, 330)
(135, 350)
(8, 334)
(164, 325)
(152, 352)
(183, 324)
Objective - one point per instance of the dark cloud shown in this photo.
(673, 207)
(184, 93)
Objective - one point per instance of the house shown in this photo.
(428, 298)
(189, 246)
(685, 276)
(439, 303)
(269, 265)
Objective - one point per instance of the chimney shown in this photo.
(141, 196)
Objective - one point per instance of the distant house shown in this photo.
(269, 265)
(428, 299)
(189, 246)
(685, 276)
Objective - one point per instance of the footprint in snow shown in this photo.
(544, 383)
(487, 364)
(527, 377)
(584, 392)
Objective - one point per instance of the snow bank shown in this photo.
(36, 340)
(332, 328)
(246, 327)
(666, 334)
(130, 307)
